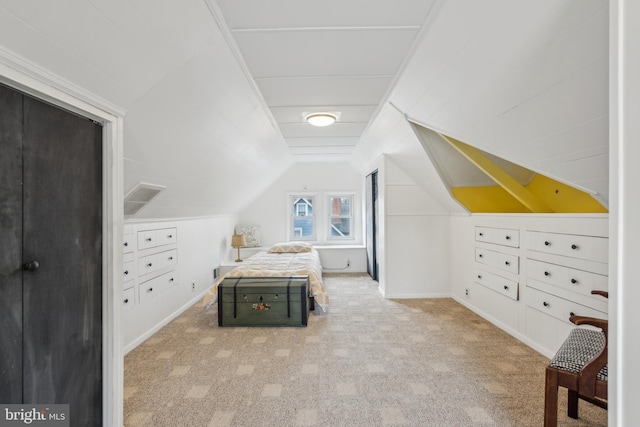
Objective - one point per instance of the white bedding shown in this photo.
(267, 264)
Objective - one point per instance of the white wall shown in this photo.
(416, 238)
(202, 244)
(269, 210)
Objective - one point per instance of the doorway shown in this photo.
(371, 198)
(50, 257)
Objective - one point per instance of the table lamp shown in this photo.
(237, 241)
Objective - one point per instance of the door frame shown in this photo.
(33, 80)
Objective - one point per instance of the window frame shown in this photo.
(329, 215)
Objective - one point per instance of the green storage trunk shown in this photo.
(263, 301)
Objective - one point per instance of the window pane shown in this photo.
(302, 207)
(303, 227)
(340, 227)
(341, 206)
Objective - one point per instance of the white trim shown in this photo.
(624, 152)
(40, 83)
(30, 76)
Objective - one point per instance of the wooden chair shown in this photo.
(580, 365)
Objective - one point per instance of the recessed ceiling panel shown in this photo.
(305, 130)
(322, 141)
(329, 13)
(335, 52)
(289, 92)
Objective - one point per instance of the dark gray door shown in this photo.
(52, 258)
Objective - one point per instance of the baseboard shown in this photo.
(142, 338)
(513, 332)
(418, 295)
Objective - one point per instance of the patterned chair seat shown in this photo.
(580, 346)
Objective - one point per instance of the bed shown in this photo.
(282, 259)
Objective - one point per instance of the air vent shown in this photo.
(139, 196)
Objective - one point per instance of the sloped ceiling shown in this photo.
(526, 81)
(194, 122)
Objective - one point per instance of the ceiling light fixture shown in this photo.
(321, 119)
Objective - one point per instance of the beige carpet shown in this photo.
(367, 362)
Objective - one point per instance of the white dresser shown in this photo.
(497, 260)
(528, 274)
(150, 263)
(562, 270)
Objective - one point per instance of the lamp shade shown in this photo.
(238, 240)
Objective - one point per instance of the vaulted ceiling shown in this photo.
(213, 91)
(332, 56)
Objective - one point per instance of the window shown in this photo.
(302, 218)
(322, 218)
(340, 210)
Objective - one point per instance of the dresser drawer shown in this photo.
(129, 271)
(547, 273)
(590, 248)
(154, 262)
(157, 285)
(557, 307)
(506, 262)
(498, 236)
(153, 238)
(127, 243)
(129, 298)
(498, 283)
(579, 281)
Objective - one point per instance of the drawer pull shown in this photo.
(480, 234)
(547, 243)
(506, 288)
(150, 264)
(171, 280)
(170, 258)
(479, 276)
(546, 273)
(574, 247)
(170, 236)
(126, 301)
(574, 281)
(126, 272)
(572, 314)
(508, 237)
(479, 255)
(148, 239)
(126, 244)
(546, 304)
(150, 290)
(507, 263)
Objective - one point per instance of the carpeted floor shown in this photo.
(367, 362)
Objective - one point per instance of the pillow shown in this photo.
(251, 234)
(290, 247)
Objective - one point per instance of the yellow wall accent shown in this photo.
(499, 176)
(563, 198)
(488, 199)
